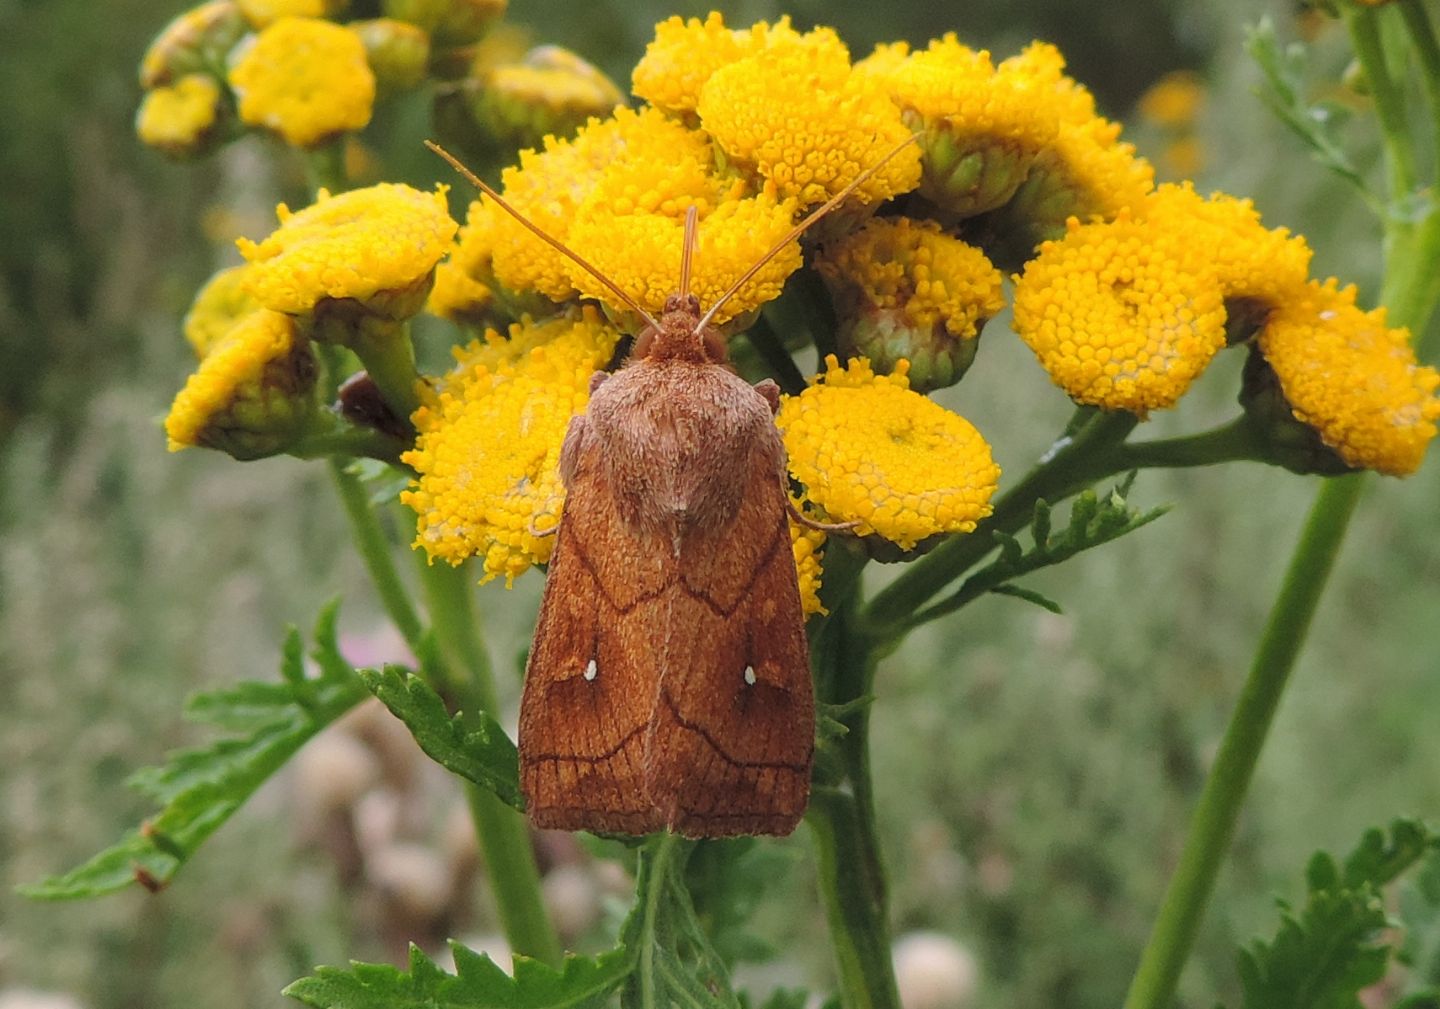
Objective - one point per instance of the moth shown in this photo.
(668, 686)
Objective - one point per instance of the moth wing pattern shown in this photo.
(734, 719)
(584, 731)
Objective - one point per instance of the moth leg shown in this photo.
(825, 527)
(771, 392)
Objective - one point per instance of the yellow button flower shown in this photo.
(305, 79)
(905, 289)
(252, 395)
(488, 453)
(180, 118)
(870, 450)
(548, 187)
(1353, 379)
(807, 545)
(374, 249)
(263, 13)
(641, 252)
(1174, 101)
(1249, 260)
(1118, 317)
(223, 301)
(795, 113)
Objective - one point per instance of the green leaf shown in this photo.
(1029, 595)
(471, 745)
(198, 789)
(1317, 126)
(1420, 914)
(1338, 943)
(478, 983)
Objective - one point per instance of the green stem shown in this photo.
(375, 551)
(1213, 822)
(349, 441)
(654, 866)
(1073, 465)
(1422, 35)
(1364, 25)
(388, 353)
(1233, 442)
(851, 874)
(325, 168)
(502, 832)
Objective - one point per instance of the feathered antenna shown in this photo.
(799, 229)
(555, 243)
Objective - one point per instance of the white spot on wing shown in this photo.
(591, 670)
(750, 675)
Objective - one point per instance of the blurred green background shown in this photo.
(1035, 770)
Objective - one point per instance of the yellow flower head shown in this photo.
(223, 301)
(1249, 260)
(549, 91)
(195, 41)
(641, 252)
(1118, 317)
(683, 56)
(982, 125)
(1353, 379)
(179, 118)
(795, 113)
(488, 452)
(870, 450)
(548, 187)
(1174, 101)
(373, 248)
(252, 394)
(263, 13)
(905, 289)
(306, 80)
(807, 546)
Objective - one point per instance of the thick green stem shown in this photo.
(375, 551)
(1073, 465)
(1214, 819)
(348, 442)
(388, 353)
(1427, 49)
(655, 864)
(850, 871)
(502, 833)
(1389, 98)
(1232, 442)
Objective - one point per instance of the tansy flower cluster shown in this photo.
(947, 164)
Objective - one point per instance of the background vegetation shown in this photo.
(1036, 771)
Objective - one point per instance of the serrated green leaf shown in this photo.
(471, 745)
(1029, 595)
(200, 788)
(478, 983)
(1337, 944)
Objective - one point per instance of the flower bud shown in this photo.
(449, 22)
(196, 41)
(397, 51)
(263, 13)
(184, 119)
(550, 91)
(904, 289)
(253, 395)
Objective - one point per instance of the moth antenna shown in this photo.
(799, 229)
(550, 240)
(687, 249)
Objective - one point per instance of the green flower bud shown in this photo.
(196, 41)
(398, 52)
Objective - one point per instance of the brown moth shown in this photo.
(668, 686)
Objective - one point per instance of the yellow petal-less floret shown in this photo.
(1117, 317)
(797, 115)
(488, 451)
(807, 545)
(251, 395)
(641, 252)
(178, 118)
(377, 246)
(870, 450)
(681, 58)
(1353, 379)
(1250, 261)
(223, 301)
(306, 80)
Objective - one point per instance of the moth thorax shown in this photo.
(679, 338)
